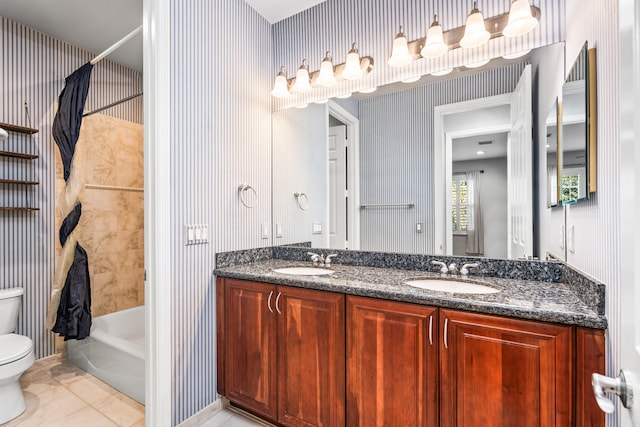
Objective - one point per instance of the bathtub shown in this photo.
(114, 352)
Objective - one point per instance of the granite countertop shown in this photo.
(526, 299)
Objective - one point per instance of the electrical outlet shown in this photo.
(571, 239)
(265, 230)
(418, 227)
(278, 229)
(562, 236)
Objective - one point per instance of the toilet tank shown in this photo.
(10, 301)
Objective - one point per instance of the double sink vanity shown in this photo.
(376, 337)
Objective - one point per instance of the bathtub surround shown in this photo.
(111, 228)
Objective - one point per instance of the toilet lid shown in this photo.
(14, 347)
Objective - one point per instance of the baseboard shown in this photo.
(205, 414)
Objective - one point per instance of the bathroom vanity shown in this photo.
(360, 345)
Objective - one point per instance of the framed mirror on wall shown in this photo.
(553, 142)
(578, 132)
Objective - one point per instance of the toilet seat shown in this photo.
(14, 347)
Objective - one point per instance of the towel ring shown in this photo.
(302, 199)
(243, 189)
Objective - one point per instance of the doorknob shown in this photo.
(617, 386)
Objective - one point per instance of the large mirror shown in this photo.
(370, 176)
(553, 142)
(577, 142)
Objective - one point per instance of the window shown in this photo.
(459, 204)
(570, 188)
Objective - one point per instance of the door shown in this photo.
(250, 334)
(392, 364)
(311, 357)
(338, 201)
(504, 372)
(629, 295)
(520, 171)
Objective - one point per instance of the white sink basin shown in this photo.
(304, 271)
(452, 286)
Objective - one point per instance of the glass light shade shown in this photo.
(517, 54)
(321, 101)
(475, 32)
(352, 70)
(434, 46)
(520, 19)
(281, 86)
(344, 95)
(326, 77)
(411, 79)
(442, 72)
(369, 90)
(477, 64)
(400, 54)
(302, 84)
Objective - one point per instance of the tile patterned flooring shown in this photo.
(59, 394)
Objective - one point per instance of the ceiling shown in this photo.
(494, 146)
(95, 25)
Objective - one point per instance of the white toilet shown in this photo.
(16, 355)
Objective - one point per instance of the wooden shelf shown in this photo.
(18, 181)
(20, 129)
(7, 208)
(18, 155)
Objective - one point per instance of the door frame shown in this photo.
(442, 166)
(353, 171)
(449, 137)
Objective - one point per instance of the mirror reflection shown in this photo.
(574, 177)
(375, 181)
(553, 137)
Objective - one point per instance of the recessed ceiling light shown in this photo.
(480, 153)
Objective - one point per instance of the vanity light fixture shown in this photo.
(521, 21)
(344, 95)
(352, 69)
(411, 79)
(475, 31)
(321, 101)
(400, 52)
(477, 64)
(434, 46)
(302, 84)
(369, 90)
(301, 106)
(517, 54)
(326, 77)
(442, 72)
(281, 86)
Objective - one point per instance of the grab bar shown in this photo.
(387, 205)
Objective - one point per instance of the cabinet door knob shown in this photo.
(278, 302)
(269, 301)
(617, 386)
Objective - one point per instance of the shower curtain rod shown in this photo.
(113, 104)
(125, 39)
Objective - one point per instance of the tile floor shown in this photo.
(59, 394)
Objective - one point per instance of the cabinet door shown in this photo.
(504, 372)
(311, 357)
(251, 346)
(392, 363)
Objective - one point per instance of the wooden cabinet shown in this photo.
(283, 352)
(504, 372)
(392, 363)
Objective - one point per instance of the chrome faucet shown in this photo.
(453, 268)
(465, 268)
(317, 259)
(327, 259)
(442, 265)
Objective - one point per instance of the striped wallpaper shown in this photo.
(33, 67)
(596, 221)
(333, 25)
(221, 138)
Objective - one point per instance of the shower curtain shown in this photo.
(70, 307)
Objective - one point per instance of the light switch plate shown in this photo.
(317, 228)
(278, 229)
(418, 227)
(571, 239)
(265, 230)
